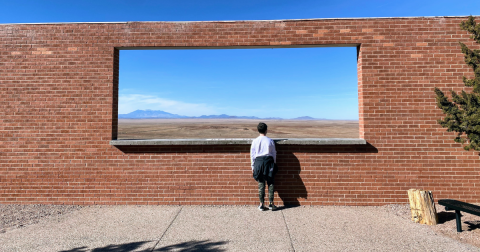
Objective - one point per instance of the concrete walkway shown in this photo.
(227, 228)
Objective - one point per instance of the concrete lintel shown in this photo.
(241, 141)
(234, 47)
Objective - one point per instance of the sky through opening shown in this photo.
(319, 82)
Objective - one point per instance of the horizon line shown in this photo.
(265, 119)
(307, 118)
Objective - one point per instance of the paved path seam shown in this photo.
(288, 231)
(161, 237)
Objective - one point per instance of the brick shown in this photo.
(55, 130)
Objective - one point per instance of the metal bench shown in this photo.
(459, 206)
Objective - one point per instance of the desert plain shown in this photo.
(233, 128)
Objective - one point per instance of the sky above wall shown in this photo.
(287, 83)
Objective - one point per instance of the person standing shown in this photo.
(264, 158)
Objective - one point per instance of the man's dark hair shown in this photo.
(262, 128)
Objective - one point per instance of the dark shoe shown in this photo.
(272, 207)
(261, 207)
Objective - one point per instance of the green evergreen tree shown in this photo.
(463, 112)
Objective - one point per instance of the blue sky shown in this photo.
(318, 82)
(21, 11)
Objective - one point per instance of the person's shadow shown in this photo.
(288, 183)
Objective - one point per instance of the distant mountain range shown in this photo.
(158, 114)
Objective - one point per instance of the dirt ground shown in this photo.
(233, 128)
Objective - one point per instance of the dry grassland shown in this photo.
(233, 128)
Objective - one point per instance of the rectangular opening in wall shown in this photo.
(224, 93)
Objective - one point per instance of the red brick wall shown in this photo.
(58, 95)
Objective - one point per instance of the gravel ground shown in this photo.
(19, 216)
(447, 225)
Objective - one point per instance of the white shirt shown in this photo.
(262, 146)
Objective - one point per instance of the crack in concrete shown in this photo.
(161, 237)
(288, 231)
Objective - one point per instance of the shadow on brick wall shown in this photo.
(140, 149)
(288, 182)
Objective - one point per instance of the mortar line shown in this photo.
(161, 237)
(288, 231)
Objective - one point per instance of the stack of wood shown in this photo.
(422, 207)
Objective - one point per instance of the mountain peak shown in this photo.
(306, 118)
